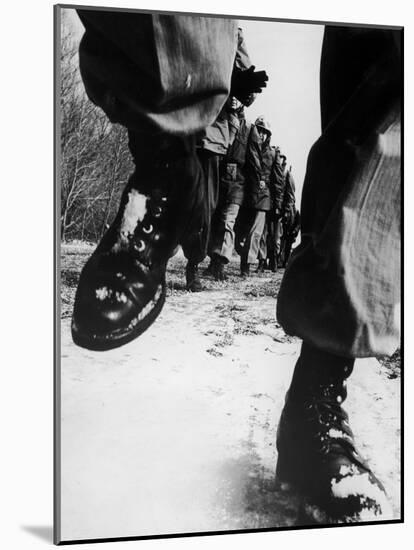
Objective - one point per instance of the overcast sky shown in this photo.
(290, 53)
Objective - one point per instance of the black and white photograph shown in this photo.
(228, 274)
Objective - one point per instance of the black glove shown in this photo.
(247, 100)
(247, 82)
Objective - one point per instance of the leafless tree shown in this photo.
(95, 161)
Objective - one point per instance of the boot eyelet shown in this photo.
(164, 199)
(147, 230)
(140, 246)
(157, 212)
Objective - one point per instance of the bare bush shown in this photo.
(95, 160)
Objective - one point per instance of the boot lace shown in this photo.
(148, 233)
(332, 433)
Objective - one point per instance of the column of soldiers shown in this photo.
(252, 198)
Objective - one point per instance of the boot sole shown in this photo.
(110, 341)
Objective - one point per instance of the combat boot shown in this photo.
(317, 455)
(273, 263)
(244, 269)
(193, 283)
(261, 266)
(219, 269)
(121, 288)
(209, 270)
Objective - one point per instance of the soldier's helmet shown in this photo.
(262, 123)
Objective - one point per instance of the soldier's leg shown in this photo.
(222, 249)
(241, 228)
(271, 248)
(285, 248)
(228, 216)
(278, 236)
(157, 73)
(149, 72)
(263, 248)
(195, 244)
(341, 289)
(252, 245)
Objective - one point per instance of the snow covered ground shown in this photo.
(175, 432)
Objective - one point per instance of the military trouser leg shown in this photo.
(195, 244)
(252, 243)
(341, 290)
(157, 73)
(222, 242)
